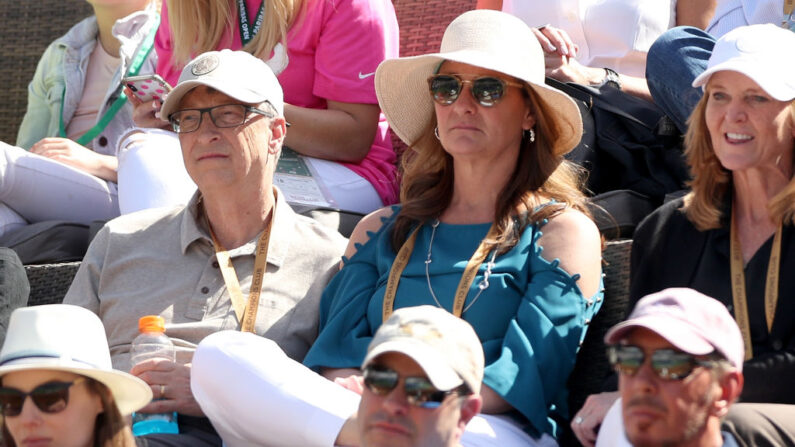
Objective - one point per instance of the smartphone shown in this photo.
(147, 87)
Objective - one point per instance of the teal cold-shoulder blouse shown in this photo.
(530, 319)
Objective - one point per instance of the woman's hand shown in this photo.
(70, 153)
(170, 383)
(556, 41)
(146, 114)
(566, 69)
(586, 422)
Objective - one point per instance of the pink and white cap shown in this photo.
(759, 52)
(689, 320)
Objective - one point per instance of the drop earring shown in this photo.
(531, 135)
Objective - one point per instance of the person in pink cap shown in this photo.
(679, 358)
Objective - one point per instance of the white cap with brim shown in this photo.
(62, 337)
(756, 52)
(483, 38)
(443, 345)
(235, 73)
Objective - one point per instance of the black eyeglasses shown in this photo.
(667, 364)
(420, 392)
(50, 398)
(228, 115)
(487, 90)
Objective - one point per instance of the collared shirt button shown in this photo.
(777, 345)
(205, 290)
(103, 141)
(215, 264)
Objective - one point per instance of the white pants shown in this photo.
(256, 396)
(351, 191)
(37, 188)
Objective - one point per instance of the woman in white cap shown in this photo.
(492, 226)
(732, 236)
(57, 383)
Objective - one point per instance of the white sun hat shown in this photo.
(62, 337)
(764, 53)
(484, 38)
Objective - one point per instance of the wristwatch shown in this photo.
(611, 77)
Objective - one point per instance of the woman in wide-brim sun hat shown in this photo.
(58, 383)
(485, 190)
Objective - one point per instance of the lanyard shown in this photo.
(247, 31)
(246, 312)
(787, 21)
(107, 117)
(738, 285)
(463, 286)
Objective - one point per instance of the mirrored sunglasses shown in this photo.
(51, 397)
(419, 391)
(667, 364)
(487, 90)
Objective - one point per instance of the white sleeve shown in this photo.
(255, 395)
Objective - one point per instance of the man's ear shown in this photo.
(470, 407)
(730, 386)
(278, 133)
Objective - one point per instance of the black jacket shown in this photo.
(668, 251)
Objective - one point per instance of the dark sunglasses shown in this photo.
(667, 364)
(420, 392)
(51, 397)
(487, 90)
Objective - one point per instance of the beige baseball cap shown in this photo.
(445, 346)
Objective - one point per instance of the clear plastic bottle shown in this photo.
(151, 343)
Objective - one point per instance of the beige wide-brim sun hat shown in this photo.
(62, 337)
(484, 38)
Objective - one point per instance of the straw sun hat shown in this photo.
(62, 337)
(488, 39)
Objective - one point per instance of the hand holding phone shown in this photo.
(147, 87)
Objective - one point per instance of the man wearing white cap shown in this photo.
(679, 357)
(422, 377)
(236, 257)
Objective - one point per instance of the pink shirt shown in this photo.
(333, 52)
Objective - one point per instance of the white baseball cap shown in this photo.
(764, 53)
(445, 346)
(234, 73)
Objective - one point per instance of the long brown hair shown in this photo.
(703, 205)
(198, 26)
(110, 428)
(427, 186)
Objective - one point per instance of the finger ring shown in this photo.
(578, 420)
(162, 391)
(543, 26)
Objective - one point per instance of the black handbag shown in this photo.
(628, 143)
(632, 152)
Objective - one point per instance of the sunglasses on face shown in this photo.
(419, 391)
(667, 364)
(51, 397)
(486, 90)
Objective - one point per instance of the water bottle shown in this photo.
(152, 343)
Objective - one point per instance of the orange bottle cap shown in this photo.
(152, 323)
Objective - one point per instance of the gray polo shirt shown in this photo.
(162, 262)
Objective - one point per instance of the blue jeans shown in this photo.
(674, 60)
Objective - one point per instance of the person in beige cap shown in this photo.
(57, 386)
(421, 386)
(236, 257)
